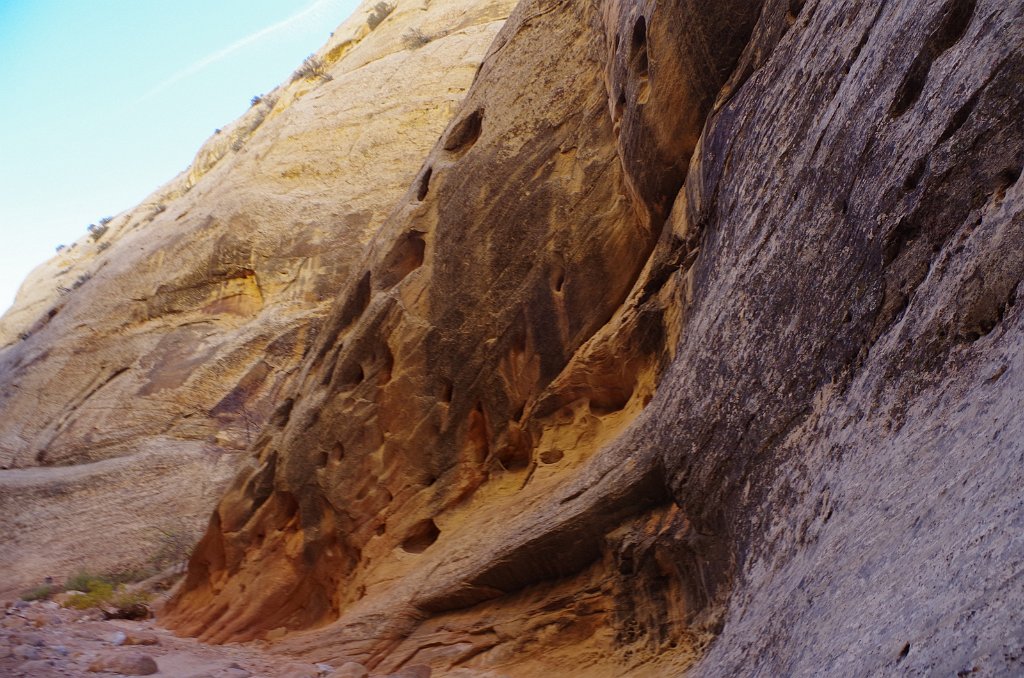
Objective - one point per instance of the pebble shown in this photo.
(118, 638)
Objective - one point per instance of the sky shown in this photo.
(105, 100)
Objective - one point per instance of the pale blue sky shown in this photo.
(104, 100)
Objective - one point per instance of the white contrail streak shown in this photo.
(234, 47)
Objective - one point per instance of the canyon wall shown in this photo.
(694, 345)
(137, 364)
(662, 337)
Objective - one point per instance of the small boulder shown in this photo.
(26, 652)
(141, 638)
(125, 664)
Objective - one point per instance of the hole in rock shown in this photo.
(350, 375)
(1004, 181)
(445, 392)
(422, 535)
(905, 651)
(639, 41)
(381, 529)
(356, 303)
(322, 459)
(424, 185)
(283, 413)
(914, 178)
(518, 414)
(960, 118)
(514, 458)
(558, 278)
(466, 132)
(953, 23)
(406, 256)
(551, 456)
(639, 60)
(793, 11)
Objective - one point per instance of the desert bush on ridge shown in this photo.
(380, 12)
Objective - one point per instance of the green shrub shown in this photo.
(87, 583)
(104, 591)
(44, 592)
(99, 593)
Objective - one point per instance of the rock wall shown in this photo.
(693, 345)
(139, 362)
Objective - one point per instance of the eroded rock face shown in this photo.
(697, 329)
(511, 320)
(693, 344)
(138, 363)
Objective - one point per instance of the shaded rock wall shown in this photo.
(166, 341)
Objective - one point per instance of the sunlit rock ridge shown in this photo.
(136, 367)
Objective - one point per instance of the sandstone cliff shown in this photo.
(136, 364)
(692, 344)
(694, 340)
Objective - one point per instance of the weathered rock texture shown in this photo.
(692, 345)
(136, 365)
(694, 339)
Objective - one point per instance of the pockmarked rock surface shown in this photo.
(139, 362)
(694, 345)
